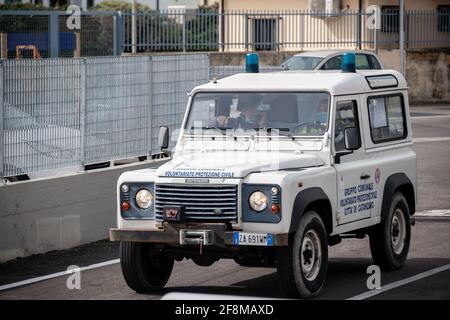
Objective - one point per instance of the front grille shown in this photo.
(201, 202)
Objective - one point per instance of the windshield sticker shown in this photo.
(358, 198)
(199, 173)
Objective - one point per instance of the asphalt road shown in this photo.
(430, 249)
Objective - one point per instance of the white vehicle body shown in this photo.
(351, 191)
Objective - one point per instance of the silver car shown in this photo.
(331, 60)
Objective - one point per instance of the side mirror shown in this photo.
(352, 141)
(163, 137)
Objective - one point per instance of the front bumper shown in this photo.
(170, 234)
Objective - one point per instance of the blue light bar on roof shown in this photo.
(252, 63)
(348, 62)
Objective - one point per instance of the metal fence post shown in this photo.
(133, 28)
(83, 113)
(149, 110)
(4, 45)
(116, 32)
(2, 122)
(358, 29)
(54, 34)
(247, 21)
(184, 31)
(402, 37)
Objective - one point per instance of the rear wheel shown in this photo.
(302, 265)
(389, 240)
(144, 269)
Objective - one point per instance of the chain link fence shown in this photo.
(59, 34)
(67, 113)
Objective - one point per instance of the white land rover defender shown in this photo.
(271, 169)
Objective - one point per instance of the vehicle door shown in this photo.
(354, 186)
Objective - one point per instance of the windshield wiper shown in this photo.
(281, 131)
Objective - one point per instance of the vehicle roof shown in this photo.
(335, 82)
(326, 53)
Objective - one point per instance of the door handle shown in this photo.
(365, 176)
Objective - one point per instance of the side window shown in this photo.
(387, 118)
(374, 64)
(346, 116)
(362, 63)
(333, 64)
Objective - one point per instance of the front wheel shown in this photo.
(302, 265)
(389, 240)
(144, 269)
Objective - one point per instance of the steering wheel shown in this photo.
(301, 125)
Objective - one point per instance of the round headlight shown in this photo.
(258, 201)
(144, 199)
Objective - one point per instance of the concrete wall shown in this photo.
(390, 58)
(58, 213)
(427, 73)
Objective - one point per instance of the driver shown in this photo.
(249, 118)
(318, 125)
(322, 114)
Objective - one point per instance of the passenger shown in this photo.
(249, 118)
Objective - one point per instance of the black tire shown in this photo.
(385, 252)
(294, 280)
(144, 270)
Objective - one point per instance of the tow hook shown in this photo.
(200, 237)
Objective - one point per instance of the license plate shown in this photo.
(252, 239)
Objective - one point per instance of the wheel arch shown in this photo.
(312, 199)
(398, 182)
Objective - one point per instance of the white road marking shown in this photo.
(433, 213)
(431, 117)
(56, 275)
(396, 284)
(431, 139)
(205, 296)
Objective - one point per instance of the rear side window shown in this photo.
(362, 63)
(374, 64)
(334, 63)
(387, 118)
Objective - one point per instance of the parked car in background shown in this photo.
(331, 60)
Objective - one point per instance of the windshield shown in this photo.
(303, 63)
(287, 113)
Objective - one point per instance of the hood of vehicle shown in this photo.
(233, 164)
